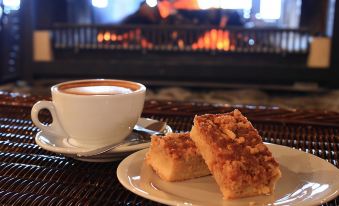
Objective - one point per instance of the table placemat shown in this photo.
(30, 175)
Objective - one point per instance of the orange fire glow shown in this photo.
(100, 37)
(167, 7)
(126, 39)
(107, 36)
(213, 39)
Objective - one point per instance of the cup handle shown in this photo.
(54, 128)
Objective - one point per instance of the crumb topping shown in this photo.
(237, 146)
(177, 145)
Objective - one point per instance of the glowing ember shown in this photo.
(107, 36)
(113, 37)
(181, 44)
(130, 38)
(100, 37)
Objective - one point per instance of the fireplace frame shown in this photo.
(169, 72)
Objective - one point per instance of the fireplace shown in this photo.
(195, 46)
(181, 39)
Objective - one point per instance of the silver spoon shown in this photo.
(137, 129)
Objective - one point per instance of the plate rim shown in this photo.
(120, 175)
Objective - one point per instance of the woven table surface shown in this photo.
(30, 175)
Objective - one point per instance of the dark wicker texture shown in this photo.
(30, 175)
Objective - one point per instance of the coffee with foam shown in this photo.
(98, 88)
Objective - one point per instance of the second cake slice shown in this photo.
(235, 154)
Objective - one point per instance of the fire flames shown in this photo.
(125, 39)
(214, 39)
(167, 7)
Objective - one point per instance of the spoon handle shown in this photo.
(144, 130)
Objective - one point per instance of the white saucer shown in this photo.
(60, 145)
(306, 180)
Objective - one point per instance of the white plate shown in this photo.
(306, 180)
(60, 145)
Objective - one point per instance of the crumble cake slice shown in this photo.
(235, 154)
(175, 157)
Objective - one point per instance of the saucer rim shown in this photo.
(69, 151)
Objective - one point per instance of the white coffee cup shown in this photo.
(92, 113)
